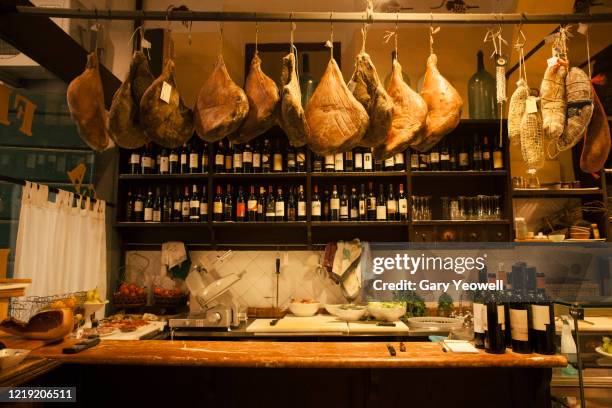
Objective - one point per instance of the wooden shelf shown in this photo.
(568, 192)
(608, 171)
(223, 176)
(358, 223)
(155, 177)
(368, 174)
(258, 224)
(461, 222)
(467, 173)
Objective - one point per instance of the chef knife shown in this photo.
(82, 345)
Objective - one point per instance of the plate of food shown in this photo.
(606, 347)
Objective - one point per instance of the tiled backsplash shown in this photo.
(298, 277)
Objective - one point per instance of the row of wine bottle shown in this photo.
(261, 157)
(520, 317)
(280, 204)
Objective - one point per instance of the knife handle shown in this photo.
(83, 345)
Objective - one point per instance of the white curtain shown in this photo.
(60, 246)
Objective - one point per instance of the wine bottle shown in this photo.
(381, 205)
(368, 164)
(452, 159)
(371, 203)
(464, 158)
(186, 205)
(228, 204)
(498, 157)
(389, 163)
(256, 158)
(146, 159)
(291, 206)
(173, 162)
(330, 162)
(476, 155)
(135, 162)
(543, 320)
(362, 204)
(353, 205)
(391, 205)
(194, 158)
(402, 204)
(241, 206)
(237, 159)
(434, 159)
(166, 215)
(266, 164)
(519, 323)
(218, 205)
(414, 161)
(424, 161)
(148, 207)
(138, 208)
(479, 317)
(339, 162)
(348, 161)
(301, 204)
(270, 205)
(220, 158)
(495, 325)
(300, 158)
(358, 159)
(203, 205)
(194, 205)
(157, 206)
(261, 204)
(277, 158)
(291, 159)
(177, 206)
(157, 159)
(315, 205)
(378, 164)
(481, 92)
(279, 206)
(204, 159)
(399, 161)
(325, 203)
(444, 157)
(334, 205)
(344, 205)
(252, 205)
(247, 158)
(184, 159)
(317, 163)
(228, 165)
(129, 206)
(487, 163)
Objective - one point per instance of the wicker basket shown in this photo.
(121, 301)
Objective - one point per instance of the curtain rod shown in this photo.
(21, 182)
(312, 17)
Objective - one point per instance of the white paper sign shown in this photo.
(583, 28)
(530, 105)
(165, 92)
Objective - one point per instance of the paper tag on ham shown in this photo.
(583, 28)
(552, 61)
(165, 92)
(144, 43)
(530, 105)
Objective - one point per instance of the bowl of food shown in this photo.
(350, 313)
(556, 237)
(304, 307)
(387, 311)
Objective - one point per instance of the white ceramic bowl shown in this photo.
(389, 314)
(331, 308)
(11, 357)
(350, 313)
(304, 309)
(556, 237)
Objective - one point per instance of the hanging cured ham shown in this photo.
(262, 94)
(292, 118)
(597, 140)
(221, 106)
(443, 103)
(337, 121)
(163, 115)
(408, 121)
(85, 98)
(124, 118)
(370, 92)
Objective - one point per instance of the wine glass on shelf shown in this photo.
(426, 208)
(497, 208)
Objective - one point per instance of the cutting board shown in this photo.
(294, 324)
(136, 334)
(371, 327)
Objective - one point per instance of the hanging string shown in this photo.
(220, 38)
(293, 48)
(519, 47)
(256, 37)
(330, 43)
(432, 30)
(389, 34)
(364, 35)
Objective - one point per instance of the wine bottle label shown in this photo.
(444, 157)
(344, 211)
(381, 212)
(270, 213)
(265, 159)
(390, 162)
(486, 155)
(498, 160)
(185, 209)
(203, 208)
(218, 207)
(157, 216)
(434, 157)
(540, 316)
(477, 155)
(463, 159)
(301, 209)
(367, 161)
(247, 157)
(278, 162)
(134, 158)
(290, 161)
(501, 319)
(335, 203)
(477, 309)
(204, 160)
(183, 159)
(164, 165)
(329, 161)
(316, 208)
(240, 210)
(403, 206)
(391, 208)
(414, 161)
(256, 160)
(372, 202)
(173, 158)
(339, 162)
(138, 206)
(301, 157)
(147, 162)
(252, 205)
(259, 208)
(358, 161)
(219, 159)
(399, 158)
(193, 160)
(279, 210)
(194, 204)
(148, 214)
(362, 209)
(519, 327)
(228, 162)
(177, 206)
(237, 160)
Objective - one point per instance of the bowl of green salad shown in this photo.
(387, 311)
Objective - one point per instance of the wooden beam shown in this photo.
(46, 43)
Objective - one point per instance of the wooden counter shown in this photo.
(263, 354)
